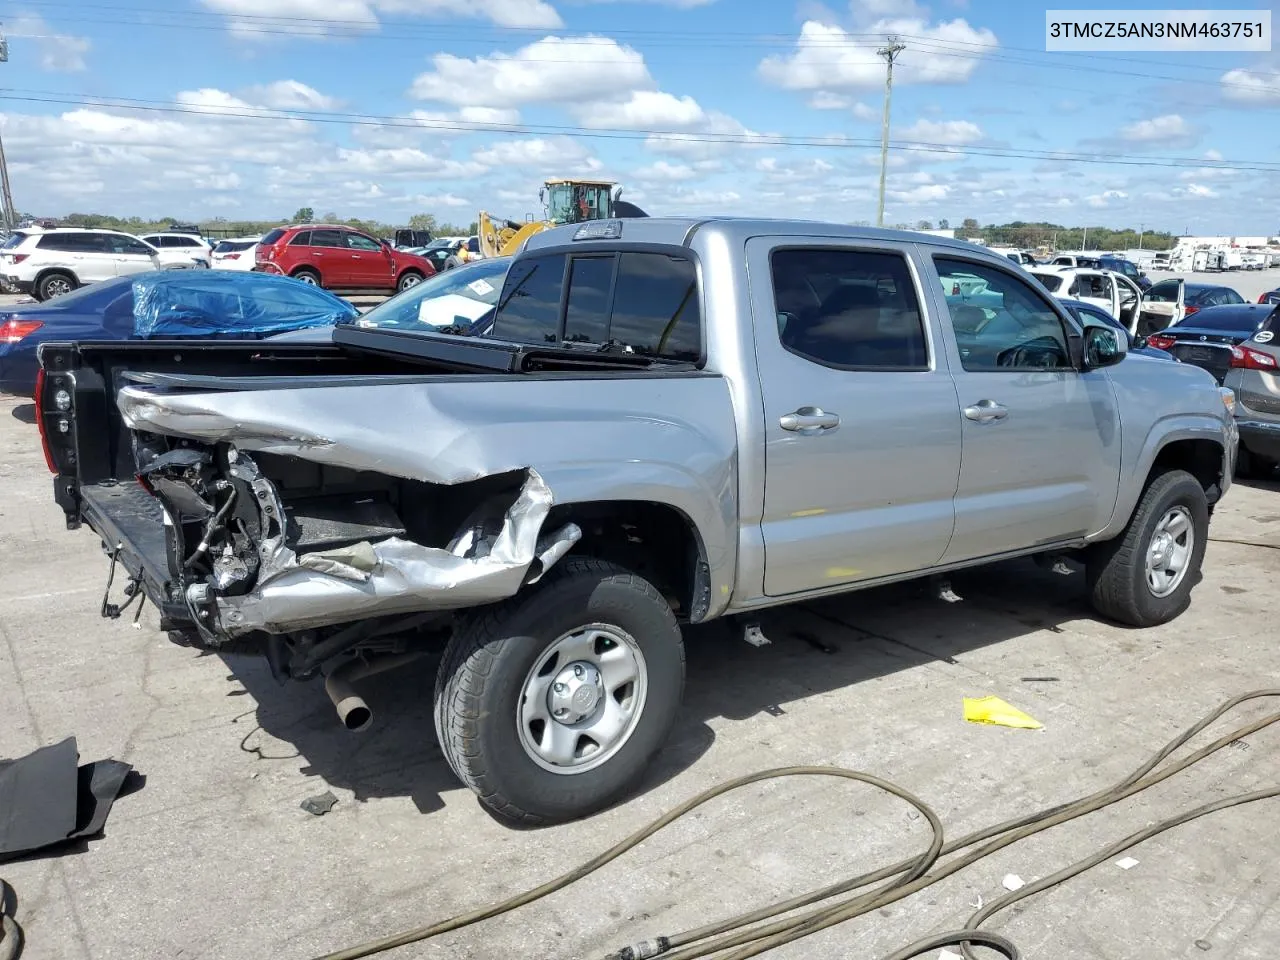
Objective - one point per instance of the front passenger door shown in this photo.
(131, 255)
(1041, 438)
(370, 266)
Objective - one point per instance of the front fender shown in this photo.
(1166, 430)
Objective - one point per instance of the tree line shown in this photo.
(1054, 236)
(222, 227)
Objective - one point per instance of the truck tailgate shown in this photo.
(131, 524)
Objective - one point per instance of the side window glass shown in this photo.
(656, 310)
(529, 310)
(301, 239)
(1008, 326)
(326, 238)
(587, 309)
(127, 245)
(851, 309)
(358, 241)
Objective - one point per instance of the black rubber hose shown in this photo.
(741, 941)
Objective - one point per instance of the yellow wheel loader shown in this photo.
(566, 201)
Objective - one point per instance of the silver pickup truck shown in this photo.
(672, 421)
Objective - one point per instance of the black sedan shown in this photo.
(1206, 338)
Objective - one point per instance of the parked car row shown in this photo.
(339, 257)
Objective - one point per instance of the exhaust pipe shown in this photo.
(353, 712)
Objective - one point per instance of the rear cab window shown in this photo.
(641, 302)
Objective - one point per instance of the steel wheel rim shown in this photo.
(410, 281)
(582, 699)
(308, 279)
(1168, 554)
(57, 286)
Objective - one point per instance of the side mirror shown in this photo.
(1102, 347)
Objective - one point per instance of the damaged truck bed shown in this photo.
(673, 421)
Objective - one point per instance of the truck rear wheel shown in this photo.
(551, 705)
(1144, 577)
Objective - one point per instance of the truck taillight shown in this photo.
(1160, 341)
(40, 423)
(16, 329)
(1247, 359)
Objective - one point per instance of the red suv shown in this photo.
(339, 258)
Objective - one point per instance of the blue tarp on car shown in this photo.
(205, 303)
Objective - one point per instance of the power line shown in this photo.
(606, 133)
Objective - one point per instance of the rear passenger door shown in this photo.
(862, 430)
(85, 254)
(1041, 438)
(130, 255)
(328, 253)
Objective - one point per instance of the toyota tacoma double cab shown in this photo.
(672, 420)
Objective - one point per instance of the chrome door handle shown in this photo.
(986, 411)
(809, 420)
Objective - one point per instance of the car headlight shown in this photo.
(1228, 398)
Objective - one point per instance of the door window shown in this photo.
(1093, 285)
(848, 309)
(358, 241)
(326, 238)
(300, 239)
(73, 243)
(120, 244)
(530, 307)
(1009, 326)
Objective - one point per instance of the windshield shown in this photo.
(13, 240)
(455, 297)
(234, 246)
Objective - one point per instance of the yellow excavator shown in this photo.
(565, 201)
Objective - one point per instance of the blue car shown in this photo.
(162, 305)
(1090, 315)
(1126, 267)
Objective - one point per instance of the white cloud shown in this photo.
(829, 58)
(1252, 86)
(1199, 190)
(864, 112)
(279, 19)
(1212, 155)
(291, 95)
(1166, 130)
(59, 52)
(665, 171)
(643, 110)
(925, 193)
(1101, 200)
(561, 154)
(491, 115)
(550, 70)
(439, 200)
(952, 133)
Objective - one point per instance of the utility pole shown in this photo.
(1084, 239)
(1141, 230)
(10, 217)
(890, 53)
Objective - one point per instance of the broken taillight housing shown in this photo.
(1247, 359)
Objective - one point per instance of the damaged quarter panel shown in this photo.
(665, 439)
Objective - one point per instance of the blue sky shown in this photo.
(385, 108)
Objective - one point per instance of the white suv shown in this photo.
(196, 248)
(48, 263)
(235, 254)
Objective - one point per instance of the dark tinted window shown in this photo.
(272, 236)
(326, 238)
(300, 239)
(1227, 295)
(1164, 292)
(850, 309)
(1050, 281)
(358, 241)
(119, 243)
(655, 306)
(587, 312)
(530, 307)
(73, 242)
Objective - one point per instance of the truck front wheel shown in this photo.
(1144, 577)
(550, 706)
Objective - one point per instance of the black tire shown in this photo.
(451, 262)
(1116, 569)
(51, 283)
(410, 278)
(481, 680)
(307, 275)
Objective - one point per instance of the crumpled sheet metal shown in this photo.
(395, 575)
